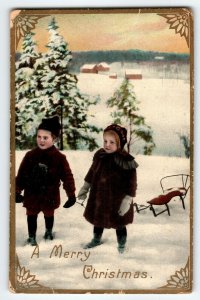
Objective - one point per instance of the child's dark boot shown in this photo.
(49, 221)
(32, 240)
(48, 234)
(96, 241)
(121, 244)
(32, 228)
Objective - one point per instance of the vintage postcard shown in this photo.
(101, 151)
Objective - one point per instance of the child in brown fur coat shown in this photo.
(111, 182)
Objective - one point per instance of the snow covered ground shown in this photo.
(157, 246)
(165, 104)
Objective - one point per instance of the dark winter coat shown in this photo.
(39, 175)
(112, 177)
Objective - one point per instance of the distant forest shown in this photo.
(89, 57)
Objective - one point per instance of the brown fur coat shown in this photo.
(40, 175)
(112, 177)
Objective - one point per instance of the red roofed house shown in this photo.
(133, 74)
(89, 68)
(103, 67)
(113, 75)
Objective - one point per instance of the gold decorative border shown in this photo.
(24, 24)
(24, 279)
(21, 24)
(180, 280)
(180, 22)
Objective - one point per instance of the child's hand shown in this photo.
(125, 205)
(70, 202)
(19, 198)
(82, 195)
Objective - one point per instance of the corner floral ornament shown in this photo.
(24, 24)
(179, 22)
(180, 280)
(24, 279)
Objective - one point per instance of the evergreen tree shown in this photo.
(45, 87)
(127, 113)
(185, 139)
(25, 84)
(65, 99)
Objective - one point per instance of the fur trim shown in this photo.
(125, 161)
(122, 159)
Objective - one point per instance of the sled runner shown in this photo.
(172, 186)
(182, 190)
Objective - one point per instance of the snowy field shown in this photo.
(157, 246)
(165, 104)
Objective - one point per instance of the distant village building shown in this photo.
(159, 57)
(89, 68)
(133, 74)
(103, 67)
(113, 75)
(158, 60)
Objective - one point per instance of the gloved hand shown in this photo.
(82, 195)
(70, 202)
(19, 198)
(125, 205)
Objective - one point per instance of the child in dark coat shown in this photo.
(39, 176)
(112, 183)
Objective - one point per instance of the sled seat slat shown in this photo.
(170, 192)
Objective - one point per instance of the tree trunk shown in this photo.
(61, 122)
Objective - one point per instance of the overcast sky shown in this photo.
(113, 31)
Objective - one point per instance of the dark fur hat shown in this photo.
(52, 125)
(120, 131)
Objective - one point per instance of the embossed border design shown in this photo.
(24, 279)
(180, 280)
(21, 279)
(24, 24)
(180, 22)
